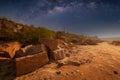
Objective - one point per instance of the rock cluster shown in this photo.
(19, 60)
(31, 57)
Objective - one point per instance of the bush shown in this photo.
(116, 43)
(77, 39)
(31, 35)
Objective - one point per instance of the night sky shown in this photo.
(90, 17)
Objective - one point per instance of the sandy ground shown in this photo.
(93, 62)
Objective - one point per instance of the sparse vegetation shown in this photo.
(77, 39)
(12, 31)
(116, 43)
(26, 34)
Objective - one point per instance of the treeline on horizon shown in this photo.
(11, 31)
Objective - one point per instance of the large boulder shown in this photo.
(30, 63)
(56, 48)
(51, 44)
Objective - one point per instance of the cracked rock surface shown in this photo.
(88, 62)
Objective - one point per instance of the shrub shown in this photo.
(117, 43)
(77, 39)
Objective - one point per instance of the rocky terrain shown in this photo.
(37, 53)
(86, 62)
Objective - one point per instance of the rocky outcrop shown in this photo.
(27, 60)
(8, 29)
(31, 57)
(9, 49)
(6, 24)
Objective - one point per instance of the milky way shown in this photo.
(91, 17)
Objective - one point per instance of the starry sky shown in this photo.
(89, 17)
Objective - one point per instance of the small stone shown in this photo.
(75, 63)
(58, 72)
(67, 55)
(72, 72)
(115, 72)
(77, 70)
(67, 74)
(60, 65)
(45, 79)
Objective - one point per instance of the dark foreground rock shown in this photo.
(7, 69)
(30, 63)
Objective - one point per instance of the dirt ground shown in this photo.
(91, 62)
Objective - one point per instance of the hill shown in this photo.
(11, 31)
(29, 34)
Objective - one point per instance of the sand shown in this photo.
(96, 62)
